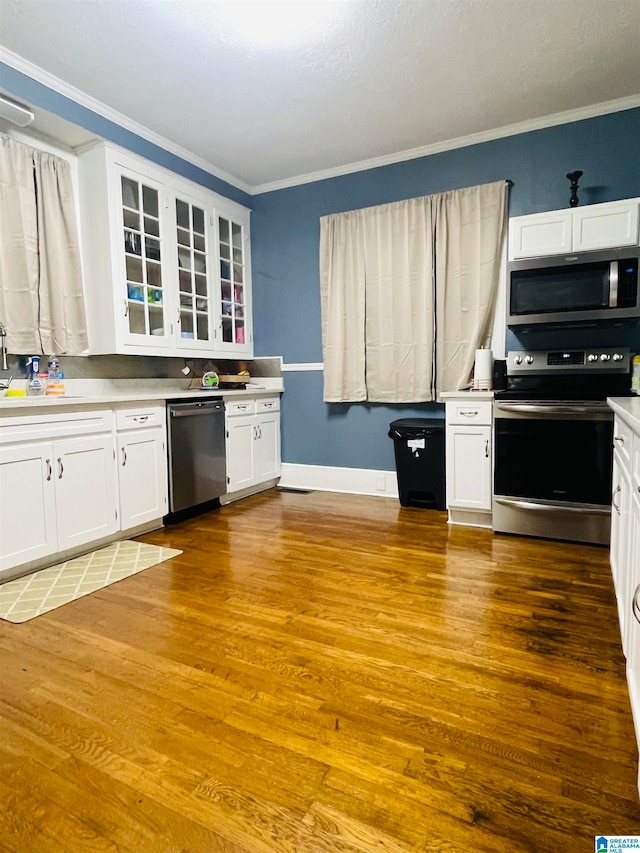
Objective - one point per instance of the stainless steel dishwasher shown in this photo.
(197, 461)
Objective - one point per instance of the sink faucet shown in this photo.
(3, 345)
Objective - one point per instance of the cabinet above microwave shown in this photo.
(579, 229)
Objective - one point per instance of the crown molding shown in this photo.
(41, 76)
(578, 114)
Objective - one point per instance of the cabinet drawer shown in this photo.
(240, 407)
(68, 422)
(269, 404)
(472, 412)
(137, 417)
(623, 442)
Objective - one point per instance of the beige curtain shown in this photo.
(41, 294)
(399, 301)
(470, 229)
(19, 263)
(408, 291)
(342, 292)
(376, 290)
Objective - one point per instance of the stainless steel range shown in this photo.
(553, 436)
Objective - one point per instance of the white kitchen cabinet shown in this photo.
(578, 229)
(267, 443)
(633, 607)
(469, 463)
(142, 464)
(620, 542)
(253, 443)
(540, 234)
(28, 527)
(57, 485)
(603, 226)
(85, 490)
(166, 261)
(625, 551)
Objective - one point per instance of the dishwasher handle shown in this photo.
(188, 410)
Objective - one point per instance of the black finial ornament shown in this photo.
(574, 177)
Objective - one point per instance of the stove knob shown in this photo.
(517, 359)
(605, 357)
(617, 356)
(528, 359)
(592, 357)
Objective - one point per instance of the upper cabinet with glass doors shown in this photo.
(166, 262)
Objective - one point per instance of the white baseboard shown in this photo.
(355, 481)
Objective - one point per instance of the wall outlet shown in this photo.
(381, 482)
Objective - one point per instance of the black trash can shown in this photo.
(419, 451)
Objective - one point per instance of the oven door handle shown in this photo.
(549, 410)
(550, 507)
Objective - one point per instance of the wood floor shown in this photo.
(321, 672)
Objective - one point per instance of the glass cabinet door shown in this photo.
(145, 302)
(193, 274)
(232, 282)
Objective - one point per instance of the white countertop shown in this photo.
(628, 408)
(466, 395)
(88, 392)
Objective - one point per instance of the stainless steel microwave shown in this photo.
(587, 287)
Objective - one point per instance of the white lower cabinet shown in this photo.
(28, 526)
(469, 465)
(58, 494)
(142, 464)
(253, 442)
(625, 553)
(70, 478)
(85, 486)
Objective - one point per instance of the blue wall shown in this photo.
(285, 236)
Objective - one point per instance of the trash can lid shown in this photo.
(417, 423)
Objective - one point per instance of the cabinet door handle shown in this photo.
(617, 489)
(619, 438)
(141, 419)
(486, 448)
(49, 470)
(126, 307)
(124, 457)
(469, 413)
(635, 607)
(60, 468)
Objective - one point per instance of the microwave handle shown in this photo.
(613, 284)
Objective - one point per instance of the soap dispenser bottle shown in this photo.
(35, 385)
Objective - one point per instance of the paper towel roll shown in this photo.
(483, 370)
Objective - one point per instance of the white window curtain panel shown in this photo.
(41, 294)
(407, 292)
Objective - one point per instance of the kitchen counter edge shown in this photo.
(627, 408)
(13, 404)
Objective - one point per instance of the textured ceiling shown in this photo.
(384, 78)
